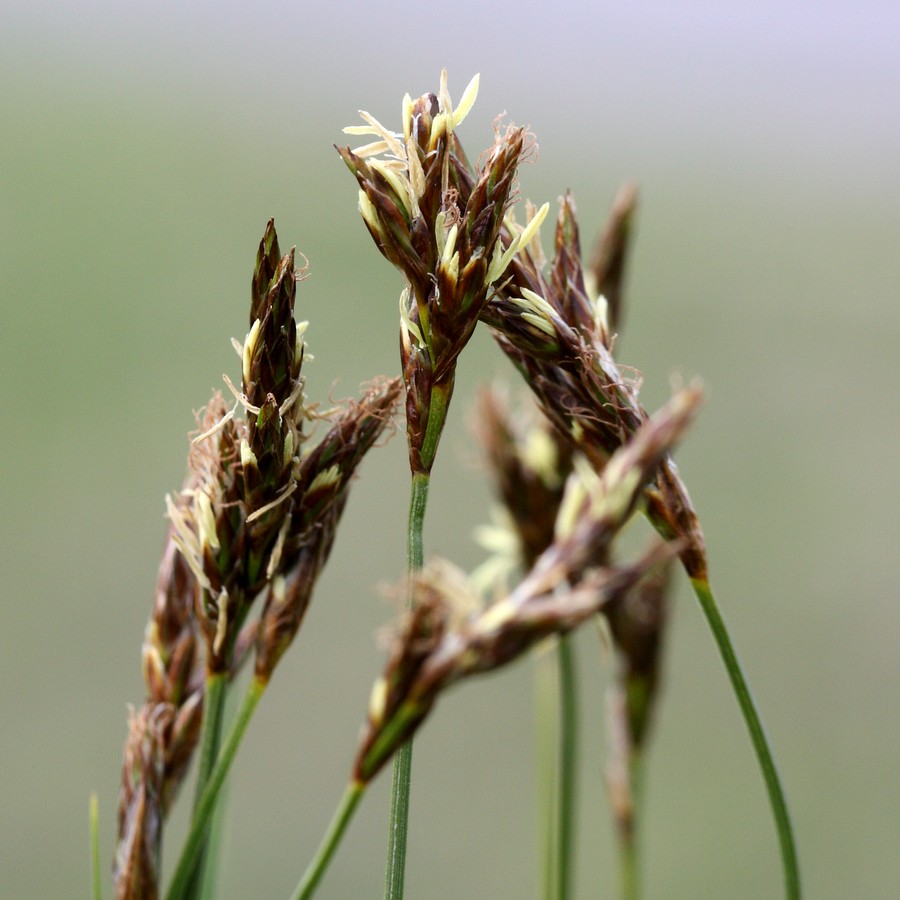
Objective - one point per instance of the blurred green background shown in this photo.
(144, 147)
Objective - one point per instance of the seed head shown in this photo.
(558, 338)
(439, 223)
(448, 635)
(437, 646)
(322, 480)
(163, 733)
(528, 465)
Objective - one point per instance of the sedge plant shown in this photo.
(269, 476)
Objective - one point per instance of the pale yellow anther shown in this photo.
(275, 556)
(444, 94)
(497, 539)
(534, 248)
(373, 126)
(539, 454)
(281, 498)
(601, 315)
(368, 212)
(215, 428)
(406, 117)
(249, 347)
(206, 521)
(360, 129)
(451, 267)
(325, 478)
(151, 634)
(536, 302)
(248, 457)
(501, 259)
(467, 101)
(407, 322)
(534, 224)
(295, 395)
(279, 590)
(187, 542)
(539, 322)
(618, 485)
(400, 184)
(445, 175)
(570, 508)
(450, 245)
(440, 231)
(495, 616)
(377, 700)
(182, 530)
(288, 452)
(416, 175)
(440, 125)
(404, 336)
(536, 310)
(373, 149)
(221, 622)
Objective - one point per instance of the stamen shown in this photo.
(264, 509)
(218, 426)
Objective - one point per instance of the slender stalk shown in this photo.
(546, 745)
(417, 500)
(94, 819)
(213, 850)
(211, 734)
(757, 735)
(402, 770)
(330, 841)
(437, 416)
(568, 761)
(193, 845)
(210, 739)
(629, 857)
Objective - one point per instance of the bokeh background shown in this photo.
(144, 146)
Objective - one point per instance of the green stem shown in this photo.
(546, 752)
(94, 819)
(757, 736)
(211, 734)
(210, 739)
(212, 853)
(437, 416)
(196, 838)
(316, 869)
(568, 761)
(402, 770)
(629, 859)
(418, 498)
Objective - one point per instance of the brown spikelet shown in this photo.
(163, 733)
(440, 225)
(528, 468)
(323, 480)
(637, 623)
(561, 344)
(609, 259)
(447, 635)
(136, 869)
